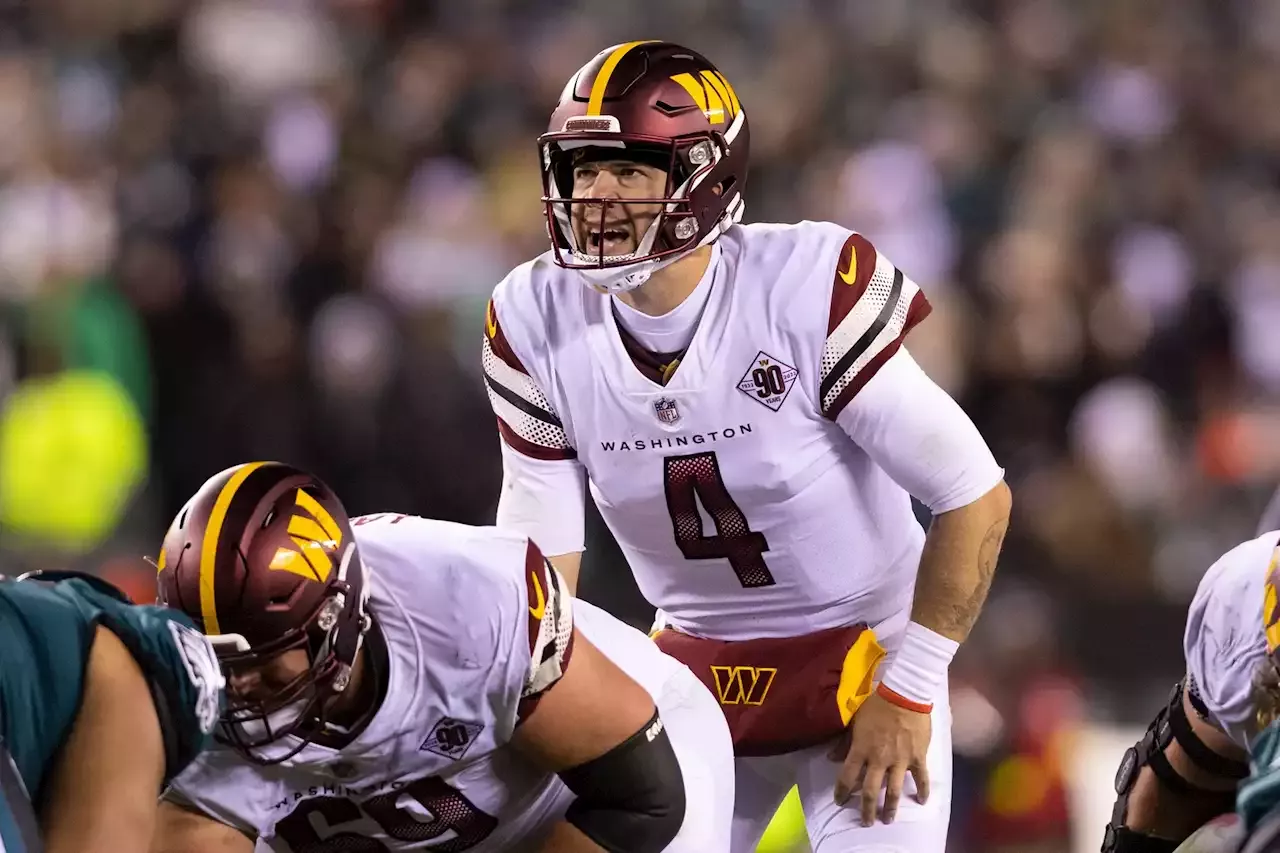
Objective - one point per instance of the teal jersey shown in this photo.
(1260, 793)
(1258, 798)
(46, 632)
(19, 832)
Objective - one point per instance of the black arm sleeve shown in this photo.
(632, 798)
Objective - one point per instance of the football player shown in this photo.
(397, 683)
(101, 703)
(1186, 769)
(752, 429)
(1258, 800)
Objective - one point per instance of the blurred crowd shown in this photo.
(244, 229)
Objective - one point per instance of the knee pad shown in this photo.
(1169, 725)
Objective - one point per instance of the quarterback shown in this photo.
(752, 429)
(1186, 769)
(402, 684)
(101, 703)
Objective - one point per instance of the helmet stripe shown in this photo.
(1270, 617)
(209, 548)
(606, 71)
(734, 103)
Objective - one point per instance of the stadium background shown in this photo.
(244, 229)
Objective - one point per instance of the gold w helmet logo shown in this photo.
(316, 534)
(713, 95)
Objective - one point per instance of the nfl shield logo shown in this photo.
(665, 409)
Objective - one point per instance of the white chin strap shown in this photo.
(628, 276)
(620, 279)
(623, 278)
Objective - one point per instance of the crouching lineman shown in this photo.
(1187, 767)
(101, 703)
(397, 683)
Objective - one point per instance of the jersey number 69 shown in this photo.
(333, 824)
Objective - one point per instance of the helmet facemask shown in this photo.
(251, 725)
(680, 226)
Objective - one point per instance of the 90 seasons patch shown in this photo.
(768, 380)
(451, 738)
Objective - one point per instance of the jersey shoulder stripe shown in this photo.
(873, 307)
(526, 419)
(550, 623)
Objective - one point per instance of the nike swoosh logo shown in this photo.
(541, 609)
(490, 321)
(852, 273)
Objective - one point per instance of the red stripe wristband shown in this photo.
(919, 669)
(901, 701)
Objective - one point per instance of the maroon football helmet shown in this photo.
(664, 105)
(263, 560)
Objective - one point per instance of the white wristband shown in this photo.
(921, 664)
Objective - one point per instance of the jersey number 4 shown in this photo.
(696, 477)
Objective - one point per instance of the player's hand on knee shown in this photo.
(886, 742)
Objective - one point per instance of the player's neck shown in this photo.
(669, 286)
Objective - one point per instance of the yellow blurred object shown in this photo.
(786, 832)
(1018, 785)
(73, 448)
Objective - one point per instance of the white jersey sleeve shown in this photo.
(872, 308)
(1226, 636)
(544, 500)
(527, 420)
(872, 388)
(479, 596)
(549, 630)
(543, 483)
(920, 436)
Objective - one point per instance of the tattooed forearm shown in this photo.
(967, 613)
(958, 564)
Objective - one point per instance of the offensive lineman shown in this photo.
(752, 429)
(1186, 769)
(101, 703)
(398, 684)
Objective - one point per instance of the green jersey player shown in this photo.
(101, 703)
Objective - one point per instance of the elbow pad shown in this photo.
(631, 799)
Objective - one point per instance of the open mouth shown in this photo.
(608, 240)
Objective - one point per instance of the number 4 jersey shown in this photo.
(471, 627)
(734, 488)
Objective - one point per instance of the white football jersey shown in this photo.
(1230, 626)
(742, 507)
(476, 627)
